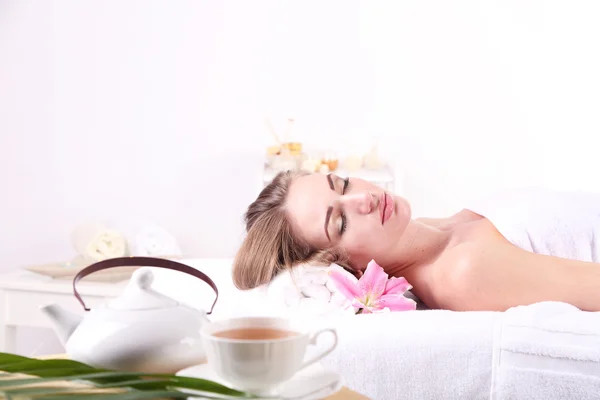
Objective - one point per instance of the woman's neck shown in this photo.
(421, 245)
(425, 243)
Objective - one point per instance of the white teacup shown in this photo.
(257, 354)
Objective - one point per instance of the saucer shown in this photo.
(314, 382)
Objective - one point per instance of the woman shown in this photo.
(459, 263)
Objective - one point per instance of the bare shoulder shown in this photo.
(462, 261)
(484, 271)
(473, 275)
(492, 274)
(477, 242)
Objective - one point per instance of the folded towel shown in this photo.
(95, 242)
(544, 221)
(416, 355)
(547, 351)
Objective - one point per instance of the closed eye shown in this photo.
(346, 185)
(344, 220)
(344, 224)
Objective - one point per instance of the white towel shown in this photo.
(416, 355)
(154, 241)
(559, 223)
(547, 351)
(306, 292)
(148, 239)
(95, 242)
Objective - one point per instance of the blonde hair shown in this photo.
(271, 245)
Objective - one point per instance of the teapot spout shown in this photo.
(64, 322)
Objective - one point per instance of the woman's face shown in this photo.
(367, 222)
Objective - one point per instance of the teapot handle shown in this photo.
(145, 262)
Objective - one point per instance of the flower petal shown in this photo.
(396, 303)
(397, 286)
(346, 283)
(373, 281)
(358, 304)
(373, 309)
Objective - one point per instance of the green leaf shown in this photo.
(51, 373)
(77, 377)
(119, 385)
(7, 358)
(170, 380)
(134, 395)
(142, 385)
(71, 394)
(31, 365)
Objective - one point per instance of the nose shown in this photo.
(361, 203)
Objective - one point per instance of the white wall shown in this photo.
(485, 95)
(111, 109)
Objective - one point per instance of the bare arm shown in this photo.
(497, 277)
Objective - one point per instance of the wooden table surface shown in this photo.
(344, 394)
(347, 394)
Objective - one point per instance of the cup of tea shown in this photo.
(258, 354)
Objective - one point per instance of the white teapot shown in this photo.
(141, 330)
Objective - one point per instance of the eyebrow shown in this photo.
(330, 182)
(329, 209)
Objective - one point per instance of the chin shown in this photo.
(402, 210)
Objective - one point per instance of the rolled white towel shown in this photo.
(307, 292)
(148, 239)
(316, 291)
(154, 241)
(95, 242)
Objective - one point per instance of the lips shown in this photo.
(386, 207)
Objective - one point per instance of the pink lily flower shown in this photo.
(373, 291)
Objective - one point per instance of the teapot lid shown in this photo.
(139, 295)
